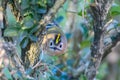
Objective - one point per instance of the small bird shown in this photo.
(54, 42)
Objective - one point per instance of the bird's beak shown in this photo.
(55, 48)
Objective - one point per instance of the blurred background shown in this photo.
(75, 19)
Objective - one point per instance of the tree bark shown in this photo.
(99, 10)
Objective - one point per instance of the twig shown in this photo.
(52, 12)
(107, 24)
(108, 49)
(48, 17)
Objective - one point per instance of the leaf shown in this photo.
(41, 11)
(22, 35)
(84, 30)
(7, 73)
(115, 10)
(11, 31)
(70, 62)
(68, 35)
(117, 2)
(28, 13)
(10, 17)
(18, 49)
(34, 29)
(55, 78)
(29, 71)
(85, 44)
(33, 2)
(28, 23)
(24, 42)
(18, 75)
(24, 4)
(102, 71)
(50, 3)
(59, 19)
(83, 77)
(81, 13)
(33, 38)
(41, 3)
(118, 25)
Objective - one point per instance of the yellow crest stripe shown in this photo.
(57, 39)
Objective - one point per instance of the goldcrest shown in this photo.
(54, 41)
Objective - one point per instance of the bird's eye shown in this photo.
(60, 45)
(51, 43)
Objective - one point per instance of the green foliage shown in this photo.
(82, 12)
(23, 30)
(117, 2)
(10, 18)
(85, 43)
(11, 31)
(115, 10)
(7, 73)
(82, 77)
(102, 72)
(29, 71)
(18, 48)
(31, 12)
(28, 23)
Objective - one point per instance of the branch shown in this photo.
(52, 12)
(108, 49)
(48, 17)
(9, 57)
(99, 12)
(1, 21)
(3, 5)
